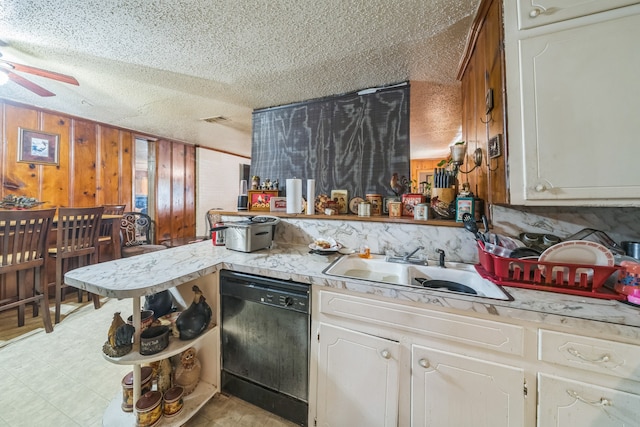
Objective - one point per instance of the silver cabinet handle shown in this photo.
(599, 403)
(386, 354)
(424, 363)
(602, 359)
(540, 188)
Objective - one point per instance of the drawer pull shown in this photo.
(603, 359)
(386, 354)
(601, 403)
(534, 13)
(424, 363)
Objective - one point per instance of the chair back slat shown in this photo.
(23, 238)
(105, 227)
(78, 230)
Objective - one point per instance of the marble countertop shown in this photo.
(153, 272)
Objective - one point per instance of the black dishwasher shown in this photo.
(265, 343)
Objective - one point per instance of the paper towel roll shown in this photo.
(294, 196)
(311, 196)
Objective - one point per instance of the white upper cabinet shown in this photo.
(573, 96)
(534, 13)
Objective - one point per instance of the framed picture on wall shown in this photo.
(38, 147)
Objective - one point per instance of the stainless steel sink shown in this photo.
(456, 277)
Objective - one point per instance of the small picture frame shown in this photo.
(260, 200)
(340, 197)
(38, 147)
(495, 144)
(464, 205)
(278, 204)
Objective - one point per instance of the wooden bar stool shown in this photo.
(23, 255)
(76, 246)
(105, 239)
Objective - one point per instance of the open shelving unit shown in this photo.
(207, 345)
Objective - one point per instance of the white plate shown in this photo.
(578, 252)
(333, 248)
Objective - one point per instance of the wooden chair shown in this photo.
(105, 239)
(137, 229)
(76, 246)
(23, 256)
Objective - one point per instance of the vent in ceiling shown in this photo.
(216, 119)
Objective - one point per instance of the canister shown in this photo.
(127, 387)
(217, 237)
(173, 401)
(149, 409)
(364, 209)
(376, 203)
(421, 212)
(395, 209)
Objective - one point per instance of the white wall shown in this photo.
(217, 184)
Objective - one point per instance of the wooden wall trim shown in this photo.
(472, 37)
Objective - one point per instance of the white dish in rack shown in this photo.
(578, 252)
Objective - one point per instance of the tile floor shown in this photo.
(60, 379)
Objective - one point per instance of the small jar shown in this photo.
(127, 387)
(364, 209)
(173, 401)
(395, 209)
(376, 203)
(149, 409)
(421, 212)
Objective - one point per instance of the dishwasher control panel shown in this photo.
(285, 300)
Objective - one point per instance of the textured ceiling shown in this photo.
(160, 67)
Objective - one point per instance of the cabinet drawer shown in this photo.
(486, 334)
(535, 13)
(591, 354)
(564, 402)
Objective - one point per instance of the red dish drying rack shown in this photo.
(547, 276)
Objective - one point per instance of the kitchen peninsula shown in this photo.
(524, 332)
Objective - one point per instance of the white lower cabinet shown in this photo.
(357, 379)
(568, 403)
(452, 390)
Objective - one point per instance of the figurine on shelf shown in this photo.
(162, 371)
(119, 337)
(255, 182)
(187, 373)
(276, 184)
(195, 319)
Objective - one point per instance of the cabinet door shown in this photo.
(452, 390)
(580, 99)
(357, 379)
(568, 403)
(534, 13)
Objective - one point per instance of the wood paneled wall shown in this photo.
(483, 69)
(96, 167)
(175, 192)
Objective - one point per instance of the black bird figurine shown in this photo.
(195, 319)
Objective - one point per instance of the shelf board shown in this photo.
(114, 416)
(379, 218)
(176, 346)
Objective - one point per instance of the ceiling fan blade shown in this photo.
(38, 90)
(43, 73)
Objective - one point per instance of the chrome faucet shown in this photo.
(407, 258)
(409, 255)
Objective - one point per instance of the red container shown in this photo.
(575, 279)
(217, 237)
